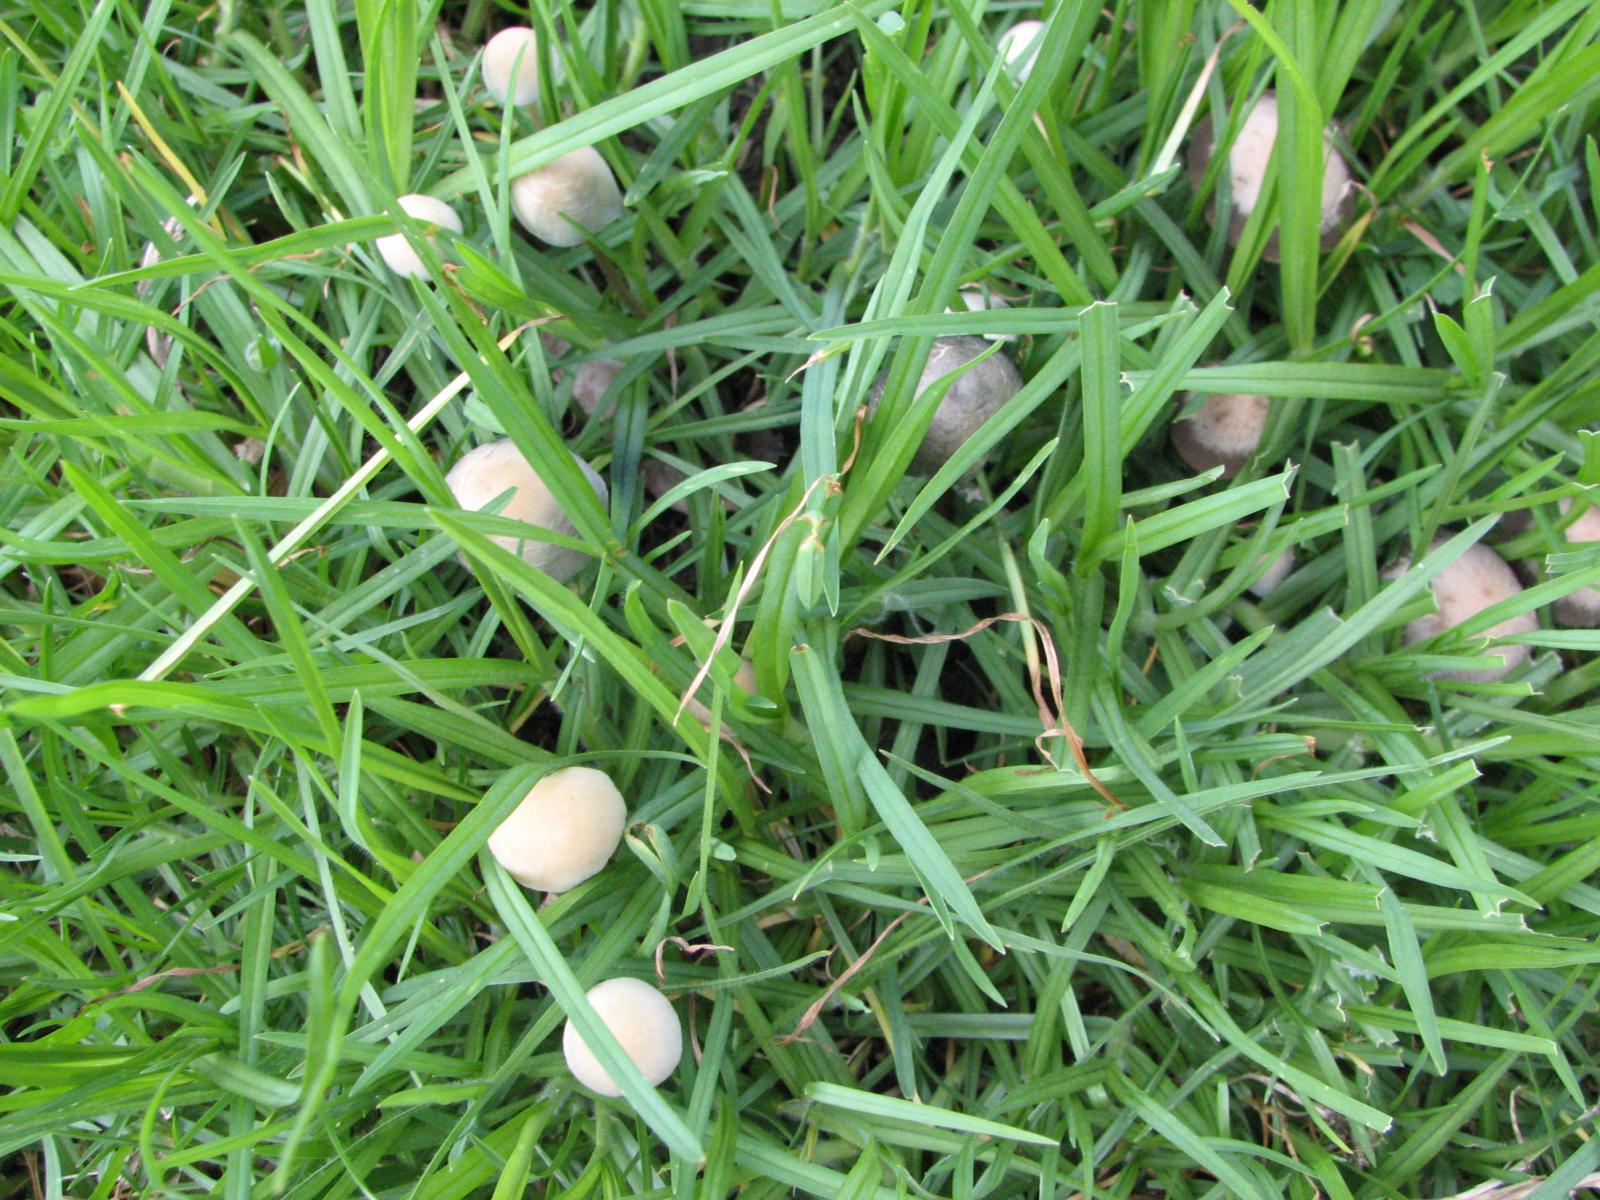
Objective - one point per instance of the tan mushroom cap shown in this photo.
(1224, 433)
(1276, 572)
(1470, 584)
(577, 187)
(642, 1020)
(1247, 169)
(1581, 608)
(516, 48)
(482, 474)
(970, 401)
(565, 830)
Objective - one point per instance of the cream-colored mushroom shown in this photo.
(744, 679)
(565, 830)
(1224, 433)
(561, 200)
(510, 66)
(1019, 46)
(398, 253)
(642, 1020)
(1581, 608)
(1277, 571)
(1248, 159)
(485, 473)
(1470, 584)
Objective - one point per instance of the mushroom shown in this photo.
(641, 1019)
(975, 299)
(972, 399)
(565, 829)
(515, 49)
(1470, 584)
(1247, 170)
(1019, 46)
(1581, 608)
(481, 475)
(590, 383)
(398, 253)
(1276, 572)
(562, 200)
(1224, 433)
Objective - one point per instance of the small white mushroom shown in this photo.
(1581, 608)
(565, 830)
(590, 383)
(1224, 433)
(512, 50)
(1019, 46)
(972, 399)
(981, 299)
(483, 474)
(1277, 571)
(561, 200)
(1470, 584)
(398, 253)
(1247, 171)
(642, 1020)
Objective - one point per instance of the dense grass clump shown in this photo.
(990, 833)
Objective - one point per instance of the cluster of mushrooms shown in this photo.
(569, 824)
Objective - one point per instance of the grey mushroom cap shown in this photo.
(1470, 584)
(1224, 433)
(1247, 164)
(972, 399)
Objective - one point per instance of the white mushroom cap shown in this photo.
(642, 1020)
(482, 474)
(971, 400)
(565, 830)
(1224, 433)
(981, 299)
(1470, 584)
(1277, 571)
(1247, 168)
(591, 382)
(578, 186)
(1019, 46)
(397, 252)
(501, 56)
(1581, 608)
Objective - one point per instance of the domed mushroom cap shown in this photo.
(512, 50)
(577, 187)
(1470, 584)
(1581, 609)
(397, 252)
(1019, 46)
(642, 1020)
(981, 299)
(482, 474)
(1247, 171)
(565, 830)
(972, 399)
(591, 382)
(1276, 572)
(1224, 433)
(744, 679)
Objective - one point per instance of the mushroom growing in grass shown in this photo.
(1019, 46)
(642, 1020)
(1277, 571)
(485, 473)
(1470, 584)
(1247, 172)
(1224, 433)
(511, 66)
(565, 829)
(744, 679)
(561, 200)
(398, 253)
(972, 399)
(981, 299)
(1581, 608)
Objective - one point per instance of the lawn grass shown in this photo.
(1048, 860)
